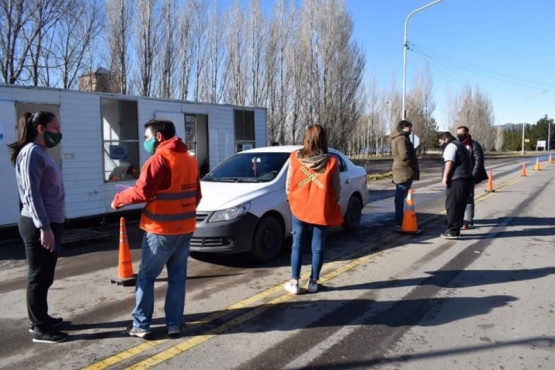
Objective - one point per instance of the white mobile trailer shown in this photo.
(103, 136)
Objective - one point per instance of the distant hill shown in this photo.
(510, 126)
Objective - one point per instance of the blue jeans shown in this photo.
(401, 192)
(469, 211)
(158, 251)
(301, 237)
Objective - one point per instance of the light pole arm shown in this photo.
(405, 48)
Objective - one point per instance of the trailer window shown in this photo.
(120, 140)
(244, 130)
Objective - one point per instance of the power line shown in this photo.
(431, 55)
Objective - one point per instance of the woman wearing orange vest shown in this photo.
(169, 183)
(313, 189)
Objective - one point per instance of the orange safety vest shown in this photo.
(311, 196)
(173, 210)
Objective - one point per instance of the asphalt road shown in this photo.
(388, 301)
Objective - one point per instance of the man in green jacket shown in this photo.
(405, 166)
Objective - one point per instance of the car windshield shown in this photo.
(248, 167)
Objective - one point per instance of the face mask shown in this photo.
(462, 137)
(52, 139)
(150, 145)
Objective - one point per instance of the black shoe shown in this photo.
(448, 235)
(51, 336)
(174, 334)
(53, 322)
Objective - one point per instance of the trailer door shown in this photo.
(9, 195)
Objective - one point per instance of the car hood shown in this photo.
(222, 195)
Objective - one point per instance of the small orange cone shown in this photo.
(409, 224)
(537, 166)
(126, 277)
(523, 169)
(550, 160)
(489, 186)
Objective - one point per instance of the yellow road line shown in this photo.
(190, 343)
(180, 348)
(199, 339)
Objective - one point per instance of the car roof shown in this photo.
(274, 149)
(278, 149)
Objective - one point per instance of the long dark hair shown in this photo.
(27, 130)
(315, 142)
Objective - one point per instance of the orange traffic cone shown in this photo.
(409, 224)
(537, 166)
(126, 277)
(489, 186)
(523, 169)
(550, 160)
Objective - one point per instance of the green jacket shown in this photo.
(405, 163)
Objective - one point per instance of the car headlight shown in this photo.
(230, 213)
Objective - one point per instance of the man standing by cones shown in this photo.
(169, 183)
(458, 182)
(405, 166)
(479, 173)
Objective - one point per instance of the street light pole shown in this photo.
(405, 48)
(523, 119)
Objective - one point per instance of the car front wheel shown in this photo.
(267, 240)
(353, 214)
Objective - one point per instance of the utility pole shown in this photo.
(405, 48)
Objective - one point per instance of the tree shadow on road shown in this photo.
(465, 278)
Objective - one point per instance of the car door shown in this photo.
(345, 180)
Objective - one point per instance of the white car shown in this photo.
(244, 206)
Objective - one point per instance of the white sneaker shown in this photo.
(312, 286)
(293, 289)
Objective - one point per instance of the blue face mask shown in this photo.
(150, 145)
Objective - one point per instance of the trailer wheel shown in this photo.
(267, 239)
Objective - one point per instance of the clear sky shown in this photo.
(506, 48)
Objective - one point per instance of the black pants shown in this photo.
(455, 203)
(42, 264)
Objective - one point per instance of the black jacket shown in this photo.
(478, 170)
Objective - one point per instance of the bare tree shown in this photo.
(474, 110)
(256, 39)
(421, 105)
(374, 129)
(25, 23)
(186, 49)
(391, 106)
(236, 92)
(72, 44)
(148, 35)
(44, 16)
(120, 20)
(278, 74)
(337, 66)
(169, 46)
(213, 79)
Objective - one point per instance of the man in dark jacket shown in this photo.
(405, 166)
(478, 171)
(458, 182)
